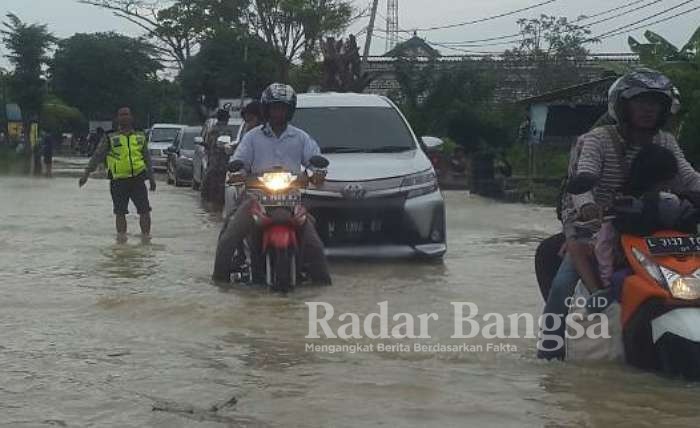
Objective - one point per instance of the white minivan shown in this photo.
(381, 195)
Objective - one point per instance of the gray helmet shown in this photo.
(642, 81)
(279, 93)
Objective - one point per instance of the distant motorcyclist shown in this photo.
(640, 103)
(252, 115)
(276, 143)
(213, 183)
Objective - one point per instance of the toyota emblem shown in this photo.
(354, 191)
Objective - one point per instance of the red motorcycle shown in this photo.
(278, 214)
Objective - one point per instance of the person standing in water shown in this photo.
(129, 166)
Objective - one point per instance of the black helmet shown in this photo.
(642, 81)
(279, 93)
(254, 108)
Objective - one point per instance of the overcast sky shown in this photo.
(67, 17)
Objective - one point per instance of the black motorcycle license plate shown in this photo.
(659, 246)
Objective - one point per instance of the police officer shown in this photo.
(129, 165)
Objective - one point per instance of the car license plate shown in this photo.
(659, 246)
(354, 227)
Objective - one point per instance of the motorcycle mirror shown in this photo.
(432, 143)
(319, 162)
(236, 166)
(582, 183)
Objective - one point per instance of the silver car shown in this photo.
(161, 136)
(381, 194)
(180, 155)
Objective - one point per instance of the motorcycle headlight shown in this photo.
(276, 181)
(681, 287)
(419, 184)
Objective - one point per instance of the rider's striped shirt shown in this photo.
(596, 153)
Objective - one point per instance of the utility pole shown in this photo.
(3, 119)
(392, 24)
(245, 64)
(370, 32)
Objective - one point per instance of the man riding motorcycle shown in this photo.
(275, 144)
(640, 103)
(213, 181)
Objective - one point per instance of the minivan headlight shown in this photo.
(419, 184)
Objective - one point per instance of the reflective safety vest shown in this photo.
(125, 157)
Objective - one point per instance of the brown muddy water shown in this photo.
(99, 334)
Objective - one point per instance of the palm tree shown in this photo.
(27, 46)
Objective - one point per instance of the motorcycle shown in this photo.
(659, 309)
(278, 214)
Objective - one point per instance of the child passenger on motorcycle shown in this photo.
(652, 171)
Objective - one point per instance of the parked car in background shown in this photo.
(381, 195)
(160, 137)
(180, 154)
(200, 156)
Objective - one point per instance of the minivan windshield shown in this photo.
(355, 129)
(163, 135)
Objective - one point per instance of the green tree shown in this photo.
(98, 73)
(28, 45)
(57, 117)
(342, 66)
(294, 28)
(555, 47)
(178, 26)
(218, 70)
(454, 103)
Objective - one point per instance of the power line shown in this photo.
(607, 36)
(489, 18)
(610, 18)
(605, 12)
(516, 36)
(663, 12)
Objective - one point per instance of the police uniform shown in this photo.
(128, 164)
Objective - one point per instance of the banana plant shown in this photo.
(659, 52)
(682, 65)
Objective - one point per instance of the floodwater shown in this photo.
(100, 334)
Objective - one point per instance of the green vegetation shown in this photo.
(682, 65)
(78, 74)
(456, 104)
(28, 45)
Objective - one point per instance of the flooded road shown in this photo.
(99, 334)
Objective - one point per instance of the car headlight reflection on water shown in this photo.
(277, 181)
